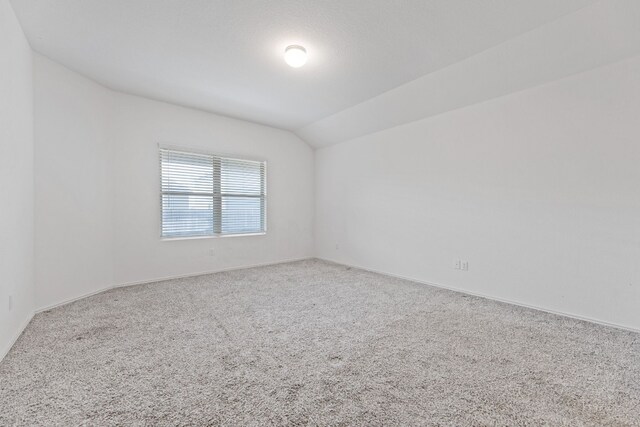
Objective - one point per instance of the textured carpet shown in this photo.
(314, 343)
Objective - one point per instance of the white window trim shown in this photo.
(213, 236)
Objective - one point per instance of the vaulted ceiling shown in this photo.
(372, 63)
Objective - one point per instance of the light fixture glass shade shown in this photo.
(295, 56)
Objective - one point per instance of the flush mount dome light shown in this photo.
(295, 56)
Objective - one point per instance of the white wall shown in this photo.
(74, 184)
(16, 176)
(539, 191)
(140, 253)
(600, 33)
(98, 188)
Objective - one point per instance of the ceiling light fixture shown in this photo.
(295, 56)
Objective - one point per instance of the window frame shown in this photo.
(215, 235)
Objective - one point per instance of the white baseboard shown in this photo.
(70, 300)
(490, 297)
(6, 350)
(19, 332)
(160, 279)
(203, 273)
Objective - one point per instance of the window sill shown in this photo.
(219, 236)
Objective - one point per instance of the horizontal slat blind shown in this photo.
(208, 195)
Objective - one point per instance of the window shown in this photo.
(209, 195)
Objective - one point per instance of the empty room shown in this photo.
(320, 213)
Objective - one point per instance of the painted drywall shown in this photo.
(16, 176)
(142, 124)
(599, 34)
(537, 191)
(98, 188)
(74, 184)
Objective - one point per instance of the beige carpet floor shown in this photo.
(314, 343)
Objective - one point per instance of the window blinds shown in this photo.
(209, 195)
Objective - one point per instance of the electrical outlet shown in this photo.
(212, 252)
(10, 302)
(457, 264)
(337, 246)
(465, 265)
